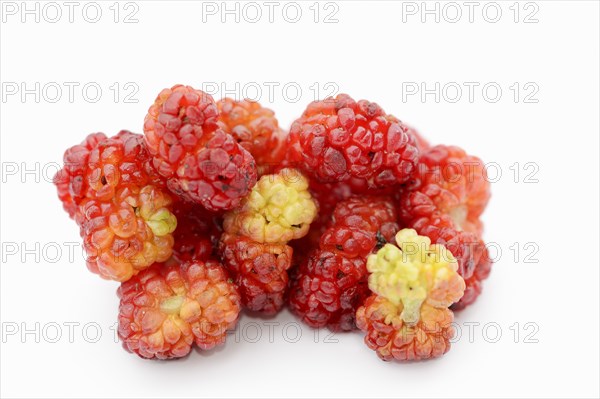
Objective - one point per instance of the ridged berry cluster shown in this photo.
(407, 316)
(256, 129)
(167, 308)
(123, 210)
(203, 163)
(338, 138)
(332, 282)
(352, 219)
(254, 247)
(444, 202)
(71, 181)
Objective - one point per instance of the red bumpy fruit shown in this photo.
(202, 162)
(444, 202)
(125, 218)
(420, 141)
(450, 181)
(413, 284)
(339, 138)
(328, 195)
(197, 233)
(260, 271)
(474, 263)
(254, 247)
(332, 283)
(70, 181)
(256, 129)
(166, 308)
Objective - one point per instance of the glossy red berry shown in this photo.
(256, 129)
(449, 181)
(121, 205)
(203, 163)
(444, 202)
(474, 263)
(197, 234)
(338, 139)
(167, 308)
(331, 284)
(254, 248)
(71, 181)
(259, 270)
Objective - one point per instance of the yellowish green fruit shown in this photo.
(413, 273)
(278, 209)
(162, 222)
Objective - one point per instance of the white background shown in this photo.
(379, 51)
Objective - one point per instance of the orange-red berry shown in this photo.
(167, 308)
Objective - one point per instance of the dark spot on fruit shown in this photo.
(381, 241)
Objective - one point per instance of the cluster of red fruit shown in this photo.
(351, 219)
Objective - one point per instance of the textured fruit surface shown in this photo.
(420, 141)
(352, 219)
(413, 272)
(339, 138)
(327, 290)
(197, 234)
(470, 251)
(125, 218)
(367, 213)
(255, 128)
(392, 338)
(413, 284)
(449, 181)
(331, 283)
(128, 234)
(71, 180)
(204, 164)
(444, 201)
(278, 209)
(474, 283)
(179, 123)
(327, 196)
(166, 308)
(119, 162)
(259, 270)
(254, 249)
